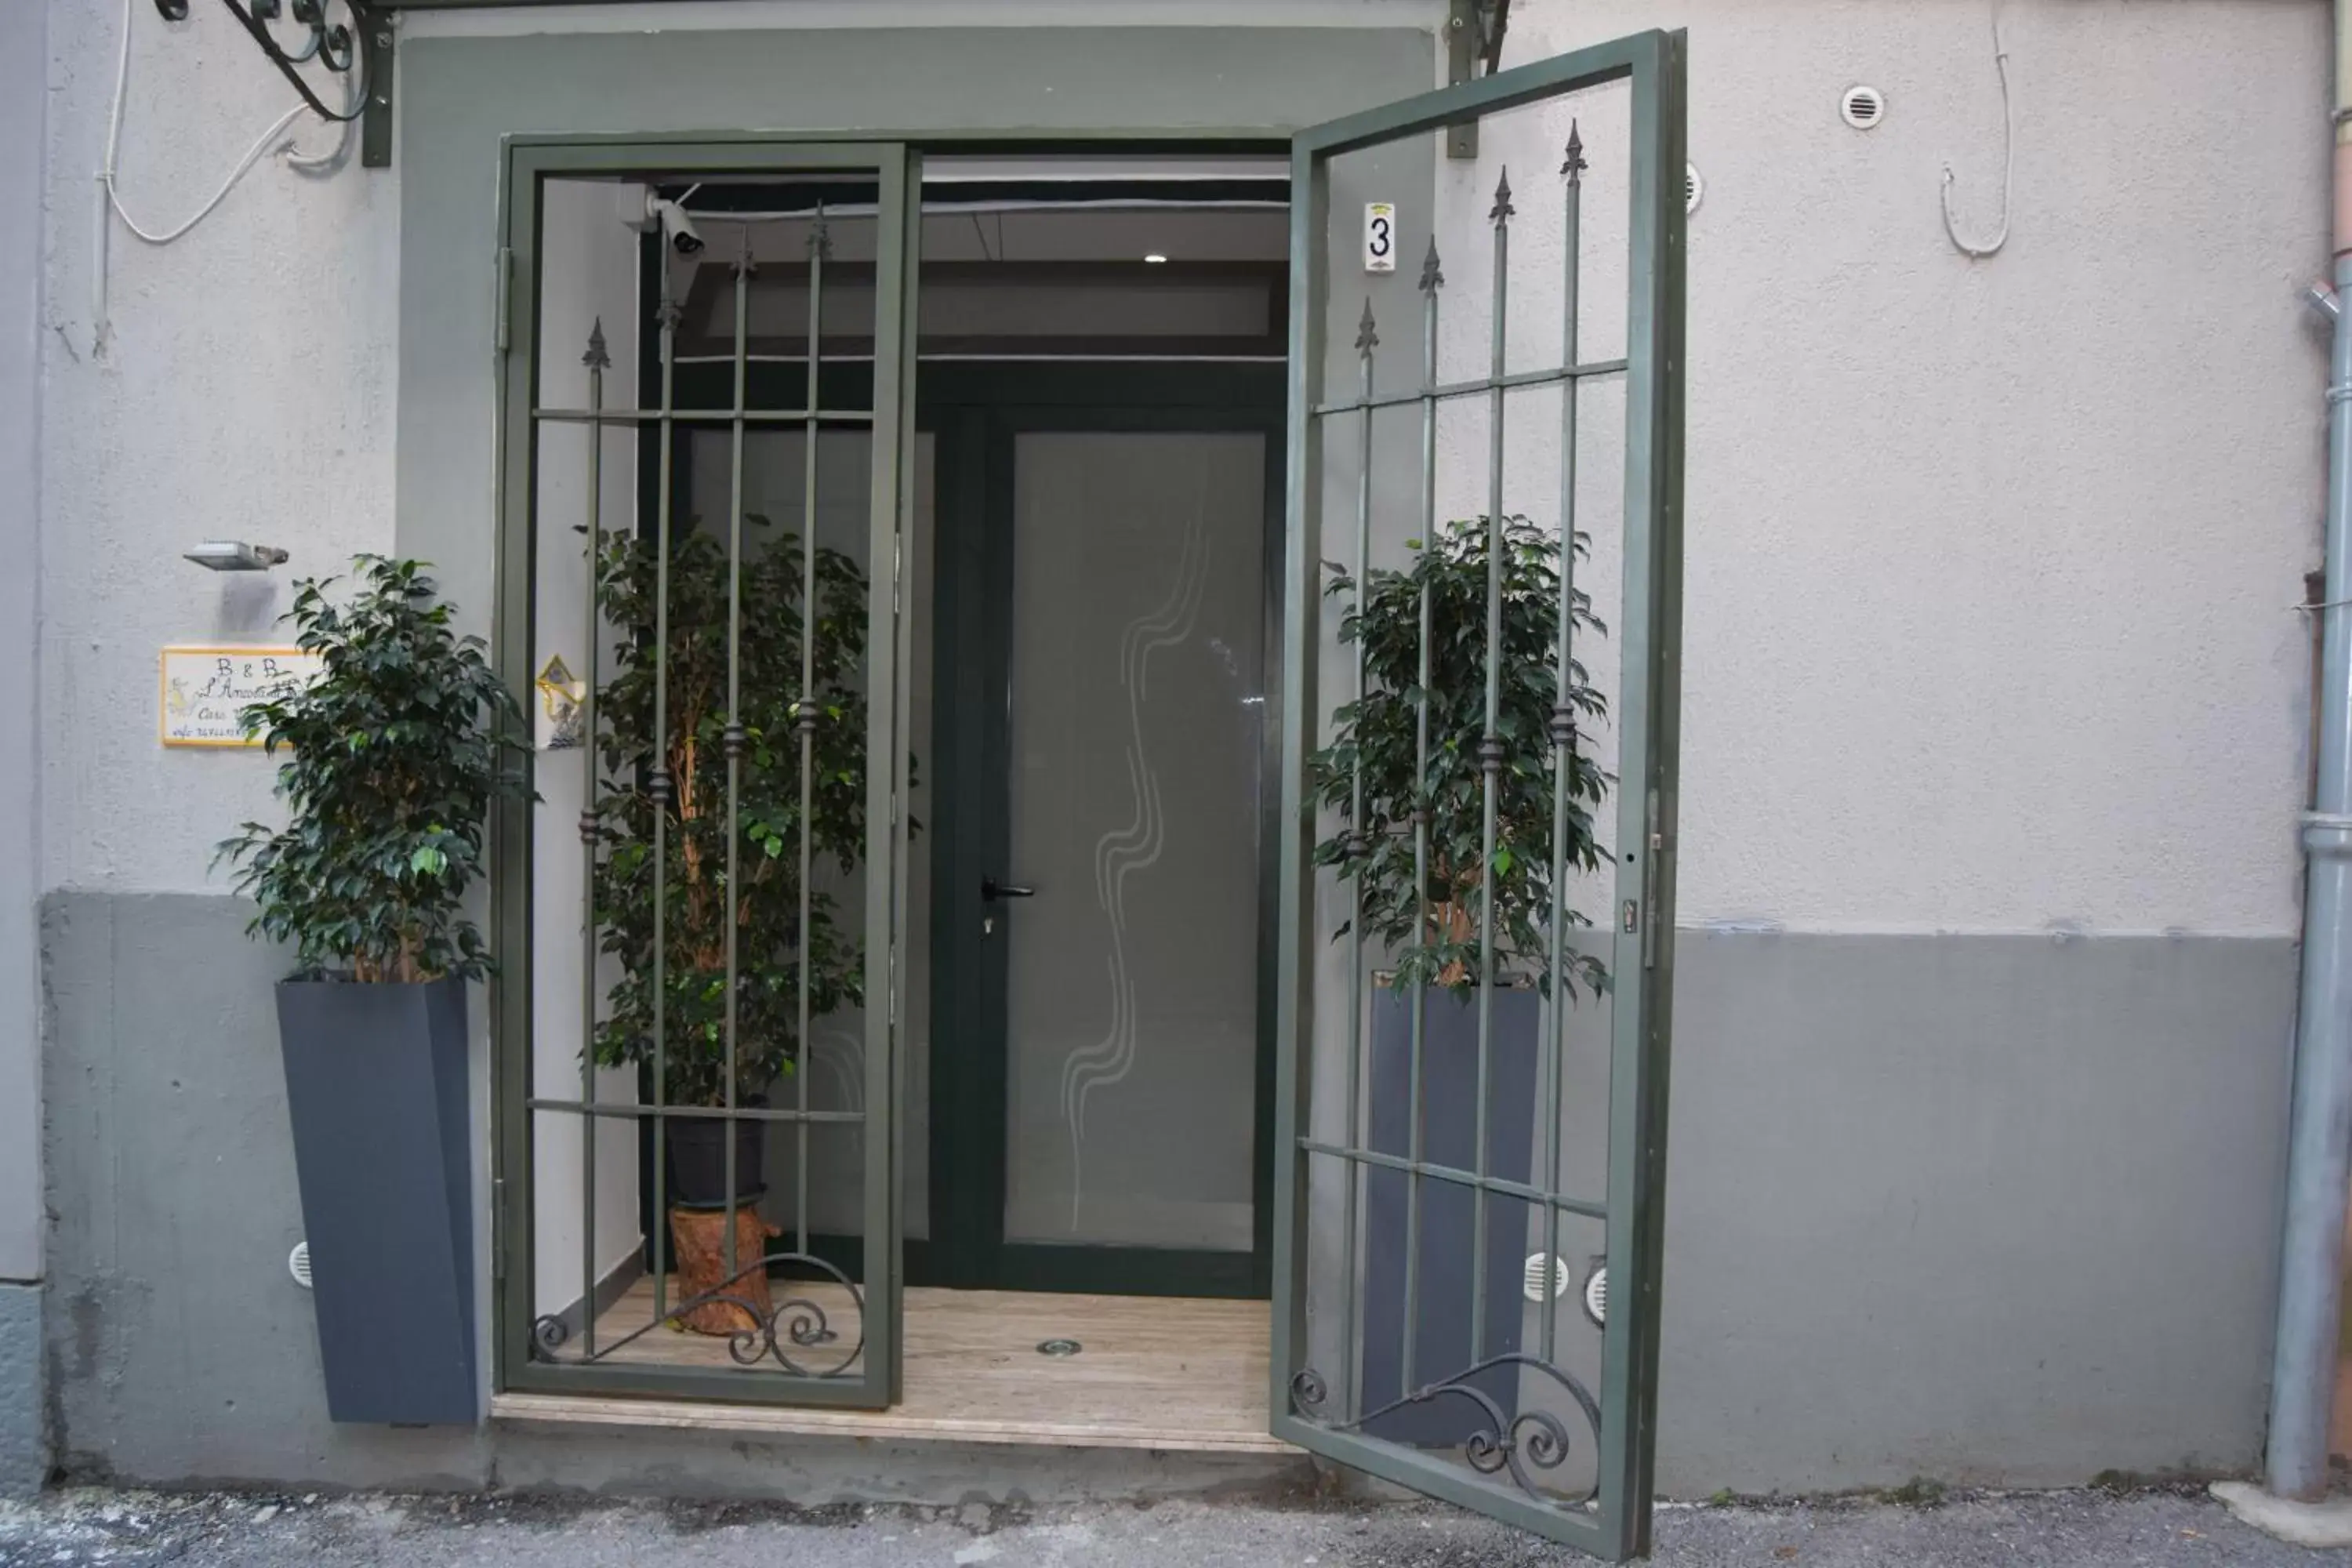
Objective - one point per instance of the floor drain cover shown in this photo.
(1058, 1347)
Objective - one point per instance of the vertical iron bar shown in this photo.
(889, 668)
(1360, 846)
(1563, 737)
(660, 788)
(819, 245)
(1490, 761)
(598, 360)
(1432, 280)
(734, 732)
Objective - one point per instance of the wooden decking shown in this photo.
(1153, 1373)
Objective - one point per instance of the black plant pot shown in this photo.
(1449, 1111)
(376, 1089)
(697, 1159)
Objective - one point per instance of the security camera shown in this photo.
(675, 223)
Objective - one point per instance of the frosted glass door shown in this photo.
(1137, 703)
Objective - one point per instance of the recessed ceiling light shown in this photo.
(1155, 256)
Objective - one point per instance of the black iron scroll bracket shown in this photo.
(364, 42)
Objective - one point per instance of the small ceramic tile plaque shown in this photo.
(205, 691)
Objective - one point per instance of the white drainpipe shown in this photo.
(2319, 1148)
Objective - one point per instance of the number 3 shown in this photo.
(1380, 237)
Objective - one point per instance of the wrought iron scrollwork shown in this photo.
(332, 45)
(796, 1321)
(1532, 1441)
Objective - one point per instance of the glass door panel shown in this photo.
(1136, 707)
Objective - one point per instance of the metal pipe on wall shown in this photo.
(2319, 1148)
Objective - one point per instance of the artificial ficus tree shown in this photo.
(390, 760)
(1433, 926)
(662, 738)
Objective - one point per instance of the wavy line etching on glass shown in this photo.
(1136, 846)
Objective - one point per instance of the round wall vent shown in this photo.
(1862, 106)
(1694, 188)
(1532, 1282)
(298, 1264)
(1596, 1296)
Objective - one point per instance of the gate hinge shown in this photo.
(1474, 48)
(497, 1228)
(505, 296)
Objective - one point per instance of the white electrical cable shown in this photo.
(2007, 160)
(329, 161)
(114, 139)
(109, 202)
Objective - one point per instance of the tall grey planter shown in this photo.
(1443, 1340)
(376, 1085)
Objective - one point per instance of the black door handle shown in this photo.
(992, 889)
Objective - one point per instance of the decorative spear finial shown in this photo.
(1575, 166)
(597, 358)
(1431, 278)
(1367, 338)
(1502, 209)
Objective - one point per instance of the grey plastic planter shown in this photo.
(376, 1085)
(1449, 1114)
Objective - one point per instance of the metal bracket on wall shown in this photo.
(1474, 48)
(375, 114)
(366, 43)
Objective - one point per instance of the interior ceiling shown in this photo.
(986, 222)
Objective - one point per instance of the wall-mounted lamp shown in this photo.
(235, 555)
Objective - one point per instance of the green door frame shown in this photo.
(976, 410)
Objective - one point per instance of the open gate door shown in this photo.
(1479, 707)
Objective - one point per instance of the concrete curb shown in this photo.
(2313, 1524)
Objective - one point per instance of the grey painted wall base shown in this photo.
(24, 1445)
(1980, 1208)
(1986, 1209)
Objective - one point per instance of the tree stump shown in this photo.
(700, 1238)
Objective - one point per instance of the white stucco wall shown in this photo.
(245, 394)
(1990, 561)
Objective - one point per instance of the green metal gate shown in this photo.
(735, 766)
(1475, 967)
(1438, 839)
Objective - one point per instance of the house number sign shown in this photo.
(1380, 237)
(205, 691)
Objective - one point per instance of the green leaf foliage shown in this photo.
(654, 721)
(1433, 926)
(390, 761)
